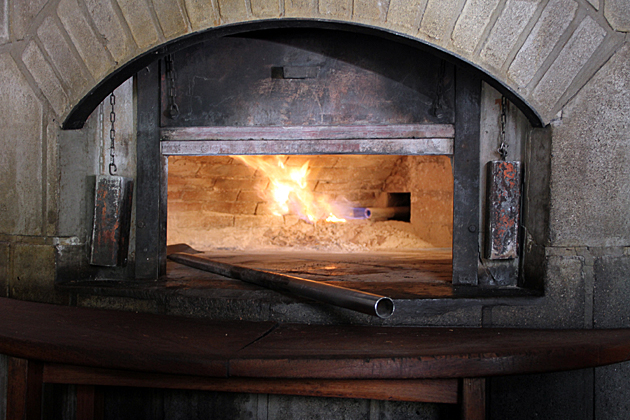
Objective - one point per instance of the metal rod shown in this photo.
(367, 303)
(383, 213)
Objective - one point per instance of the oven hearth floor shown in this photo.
(418, 281)
(399, 275)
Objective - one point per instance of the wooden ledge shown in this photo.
(164, 344)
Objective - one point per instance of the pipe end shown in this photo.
(384, 307)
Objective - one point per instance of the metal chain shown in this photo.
(437, 103)
(112, 136)
(173, 109)
(503, 147)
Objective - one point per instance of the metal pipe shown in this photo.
(385, 213)
(367, 303)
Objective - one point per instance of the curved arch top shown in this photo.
(539, 54)
(82, 110)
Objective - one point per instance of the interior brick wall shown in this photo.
(210, 192)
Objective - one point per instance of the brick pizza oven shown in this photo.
(417, 89)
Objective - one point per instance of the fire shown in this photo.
(288, 190)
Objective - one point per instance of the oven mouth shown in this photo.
(394, 238)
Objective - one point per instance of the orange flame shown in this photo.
(288, 191)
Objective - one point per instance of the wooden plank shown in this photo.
(343, 132)
(122, 340)
(442, 146)
(466, 175)
(343, 352)
(90, 402)
(473, 399)
(419, 390)
(24, 390)
(184, 346)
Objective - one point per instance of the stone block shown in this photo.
(171, 17)
(241, 184)
(611, 292)
(441, 313)
(617, 13)
(594, 3)
(264, 209)
(110, 28)
(222, 170)
(52, 179)
(430, 173)
(300, 8)
(93, 52)
(117, 303)
(230, 207)
(21, 163)
(561, 395)
(233, 10)
(180, 404)
(138, 17)
(395, 410)
(590, 191)
(285, 407)
(5, 267)
(612, 394)
(24, 12)
(554, 20)
(472, 22)
(208, 196)
(350, 175)
(439, 16)
(183, 166)
(265, 8)
(71, 69)
(575, 54)
(336, 8)
(562, 305)
(406, 14)
(201, 14)
(76, 187)
(4, 21)
(251, 196)
(506, 31)
(33, 276)
(370, 10)
(362, 198)
(45, 77)
(330, 187)
(188, 184)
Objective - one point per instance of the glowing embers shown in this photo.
(289, 192)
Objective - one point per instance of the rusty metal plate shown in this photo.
(503, 209)
(112, 219)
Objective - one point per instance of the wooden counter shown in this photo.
(88, 347)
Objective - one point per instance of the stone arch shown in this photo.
(81, 111)
(542, 52)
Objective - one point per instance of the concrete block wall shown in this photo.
(566, 59)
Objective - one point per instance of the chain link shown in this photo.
(112, 136)
(173, 109)
(503, 147)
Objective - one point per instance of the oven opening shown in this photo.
(376, 223)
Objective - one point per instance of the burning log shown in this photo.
(367, 303)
